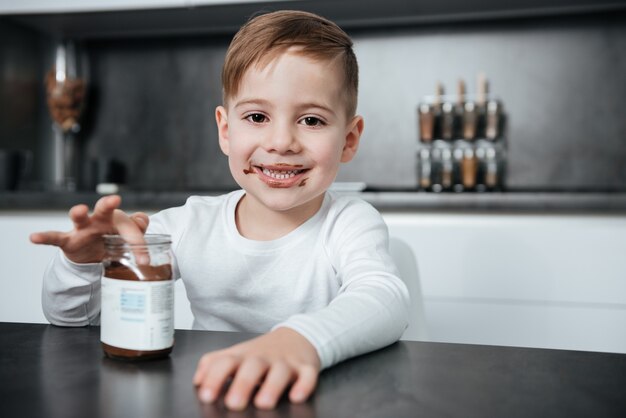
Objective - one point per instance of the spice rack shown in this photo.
(462, 141)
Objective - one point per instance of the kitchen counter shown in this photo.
(527, 202)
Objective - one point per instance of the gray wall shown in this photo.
(152, 107)
(20, 93)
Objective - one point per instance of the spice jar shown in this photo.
(469, 168)
(426, 122)
(137, 311)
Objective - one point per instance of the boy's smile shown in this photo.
(280, 174)
(285, 132)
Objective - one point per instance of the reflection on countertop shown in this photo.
(406, 201)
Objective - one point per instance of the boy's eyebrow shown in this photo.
(261, 102)
(267, 103)
(317, 106)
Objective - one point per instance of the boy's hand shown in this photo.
(272, 362)
(84, 244)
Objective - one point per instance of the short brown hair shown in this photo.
(266, 36)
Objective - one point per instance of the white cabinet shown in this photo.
(24, 263)
(522, 280)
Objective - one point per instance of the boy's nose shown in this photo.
(282, 140)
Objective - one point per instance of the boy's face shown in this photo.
(286, 131)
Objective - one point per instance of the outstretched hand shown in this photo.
(84, 244)
(273, 363)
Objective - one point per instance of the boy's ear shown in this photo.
(353, 136)
(221, 117)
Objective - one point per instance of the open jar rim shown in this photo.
(116, 240)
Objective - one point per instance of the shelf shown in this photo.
(409, 201)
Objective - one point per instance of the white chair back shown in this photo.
(404, 258)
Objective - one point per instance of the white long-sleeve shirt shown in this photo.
(331, 279)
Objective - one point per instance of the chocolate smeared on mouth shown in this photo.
(248, 170)
(303, 182)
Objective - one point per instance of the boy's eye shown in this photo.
(256, 118)
(312, 121)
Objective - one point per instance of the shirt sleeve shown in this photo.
(71, 292)
(371, 308)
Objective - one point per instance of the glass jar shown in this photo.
(137, 310)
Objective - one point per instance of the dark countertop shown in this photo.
(48, 371)
(412, 201)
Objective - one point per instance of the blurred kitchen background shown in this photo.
(559, 68)
(535, 262)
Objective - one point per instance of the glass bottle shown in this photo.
(491, 171)
(425, 169)
(426, 122)
(137, 311)
(66, 91)
(469, 169)
(446, 169)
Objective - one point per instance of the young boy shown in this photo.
(282, 256)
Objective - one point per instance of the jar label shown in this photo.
(137, 315)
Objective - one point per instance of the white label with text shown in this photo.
(137, 315)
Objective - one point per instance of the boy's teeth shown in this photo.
(280, 174)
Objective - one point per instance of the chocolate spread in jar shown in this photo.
(137, 301)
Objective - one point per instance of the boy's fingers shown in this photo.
(304, 385)
(127, 228)
(203, 368)
(132, 234)
(106, 205)
(276, 381)
(79, 215)
(216, 376)
(49, 238)
(141, 220)
(248, 376)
